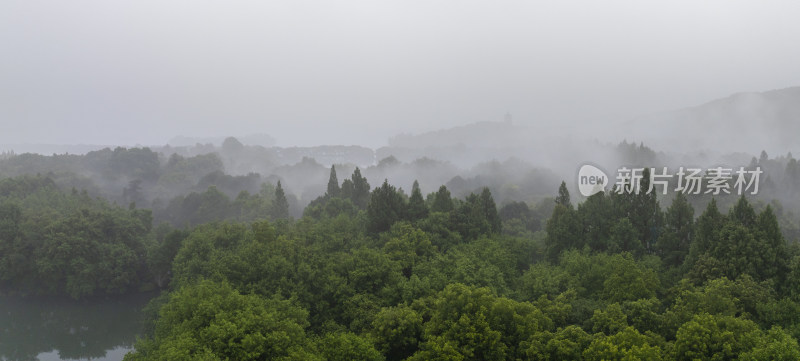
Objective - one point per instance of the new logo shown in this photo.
(591, 180)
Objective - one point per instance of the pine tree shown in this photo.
(673, 244)
(707, 232)
(646, 214)
(386, 206)
(489, 210)
(563, 231)
(743, 213)
(347, 189)
(442, 201)
(416, 204)
(280, 206)
(563, 195)
(333, 184)
(361, 188)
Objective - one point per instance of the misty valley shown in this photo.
(415, 251)
(399, 180)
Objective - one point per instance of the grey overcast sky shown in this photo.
(356, 72)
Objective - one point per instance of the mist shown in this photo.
(314, 73)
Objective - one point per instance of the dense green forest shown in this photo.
(372, 272)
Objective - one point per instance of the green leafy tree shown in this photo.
(212, 321)
(397, 332)
(472, 324)
(346, 346)
(566, 344)
(627, 344)
(710, 337)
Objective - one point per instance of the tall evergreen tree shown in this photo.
(333, 184)
(645, 213)
(563, 231)
(442, 202)
(361, 188)
(347, 189)
(563, 195)
(564, 227)
(674, 243)
(280, 206)
(597, 219)
(489, 210)
(386, 206)
(417, 209)
(743, 213)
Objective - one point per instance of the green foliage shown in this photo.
(360, 194)
(280, 206)
(711, 337)
(628, 344)
(58, 243)
(386, 206)
(472, 323)
(384, 276)
(417, 209)
(673, 243)
(347, 346)
(397, 332)
(442, 202)
(563, 196)
(563, 231)
(333, 184)
(211, 320)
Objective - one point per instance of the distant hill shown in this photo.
(264, 140)
(480, 134)
(748, 122)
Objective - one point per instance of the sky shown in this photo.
(357, 72)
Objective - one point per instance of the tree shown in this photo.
(707, 229)
(333, 184)
(348, 189)
(417, 209)
(710, 337)
(563, 231)
(469, 323)
(645, 213)
(386, 206)
(212, 321)
(743, 213)
(361, 189)
(597, 218)
(442, 201)
(673, 244)
(347, 346)
(489, 210)
(563, 195)
(397, 332)
(280, 206)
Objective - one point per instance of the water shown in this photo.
(52, 330)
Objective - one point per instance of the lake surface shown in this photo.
(58, 329)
